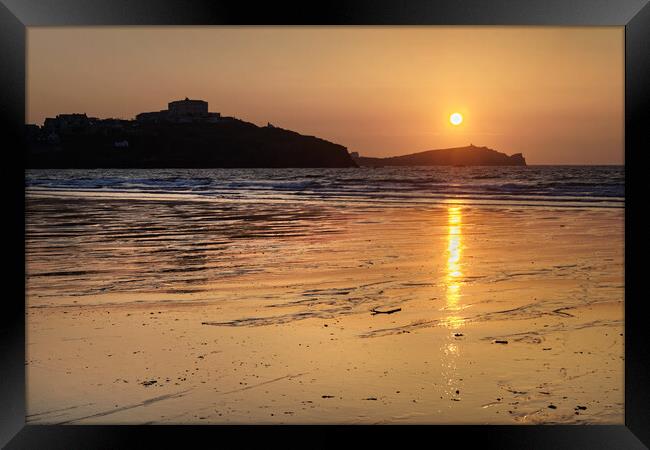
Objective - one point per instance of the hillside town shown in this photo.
(179, 111)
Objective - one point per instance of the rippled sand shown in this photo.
(169, 311)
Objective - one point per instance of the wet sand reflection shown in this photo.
(453, 275)
(453, 281)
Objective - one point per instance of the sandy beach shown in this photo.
(164, 311)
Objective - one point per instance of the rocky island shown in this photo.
(458, 156)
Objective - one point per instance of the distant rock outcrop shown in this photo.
(459, 156)
(226, 142)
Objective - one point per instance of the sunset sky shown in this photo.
(554, 94)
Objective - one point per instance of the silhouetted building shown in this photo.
(181, 111)
(65, 122)
(188, 108)
(113, 124)
(152, 117)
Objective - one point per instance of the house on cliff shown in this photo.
(181, 111)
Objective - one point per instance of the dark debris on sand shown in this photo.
(375, 311)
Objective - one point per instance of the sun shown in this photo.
(456, 119)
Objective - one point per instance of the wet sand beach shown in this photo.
(159, 310)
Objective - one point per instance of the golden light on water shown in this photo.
(453, 273)
(450, 351)
(454, 251)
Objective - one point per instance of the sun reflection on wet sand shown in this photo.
(453, 275)
(450, 351)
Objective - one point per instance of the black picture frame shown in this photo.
(16, 15)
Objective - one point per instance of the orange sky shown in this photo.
(553, 93)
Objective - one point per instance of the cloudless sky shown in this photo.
(554, 94)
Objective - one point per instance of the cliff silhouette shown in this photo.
(184, 138)
(458, 156)
(226, 142)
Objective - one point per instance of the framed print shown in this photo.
(226, 216)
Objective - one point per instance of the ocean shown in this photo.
(567, 186)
